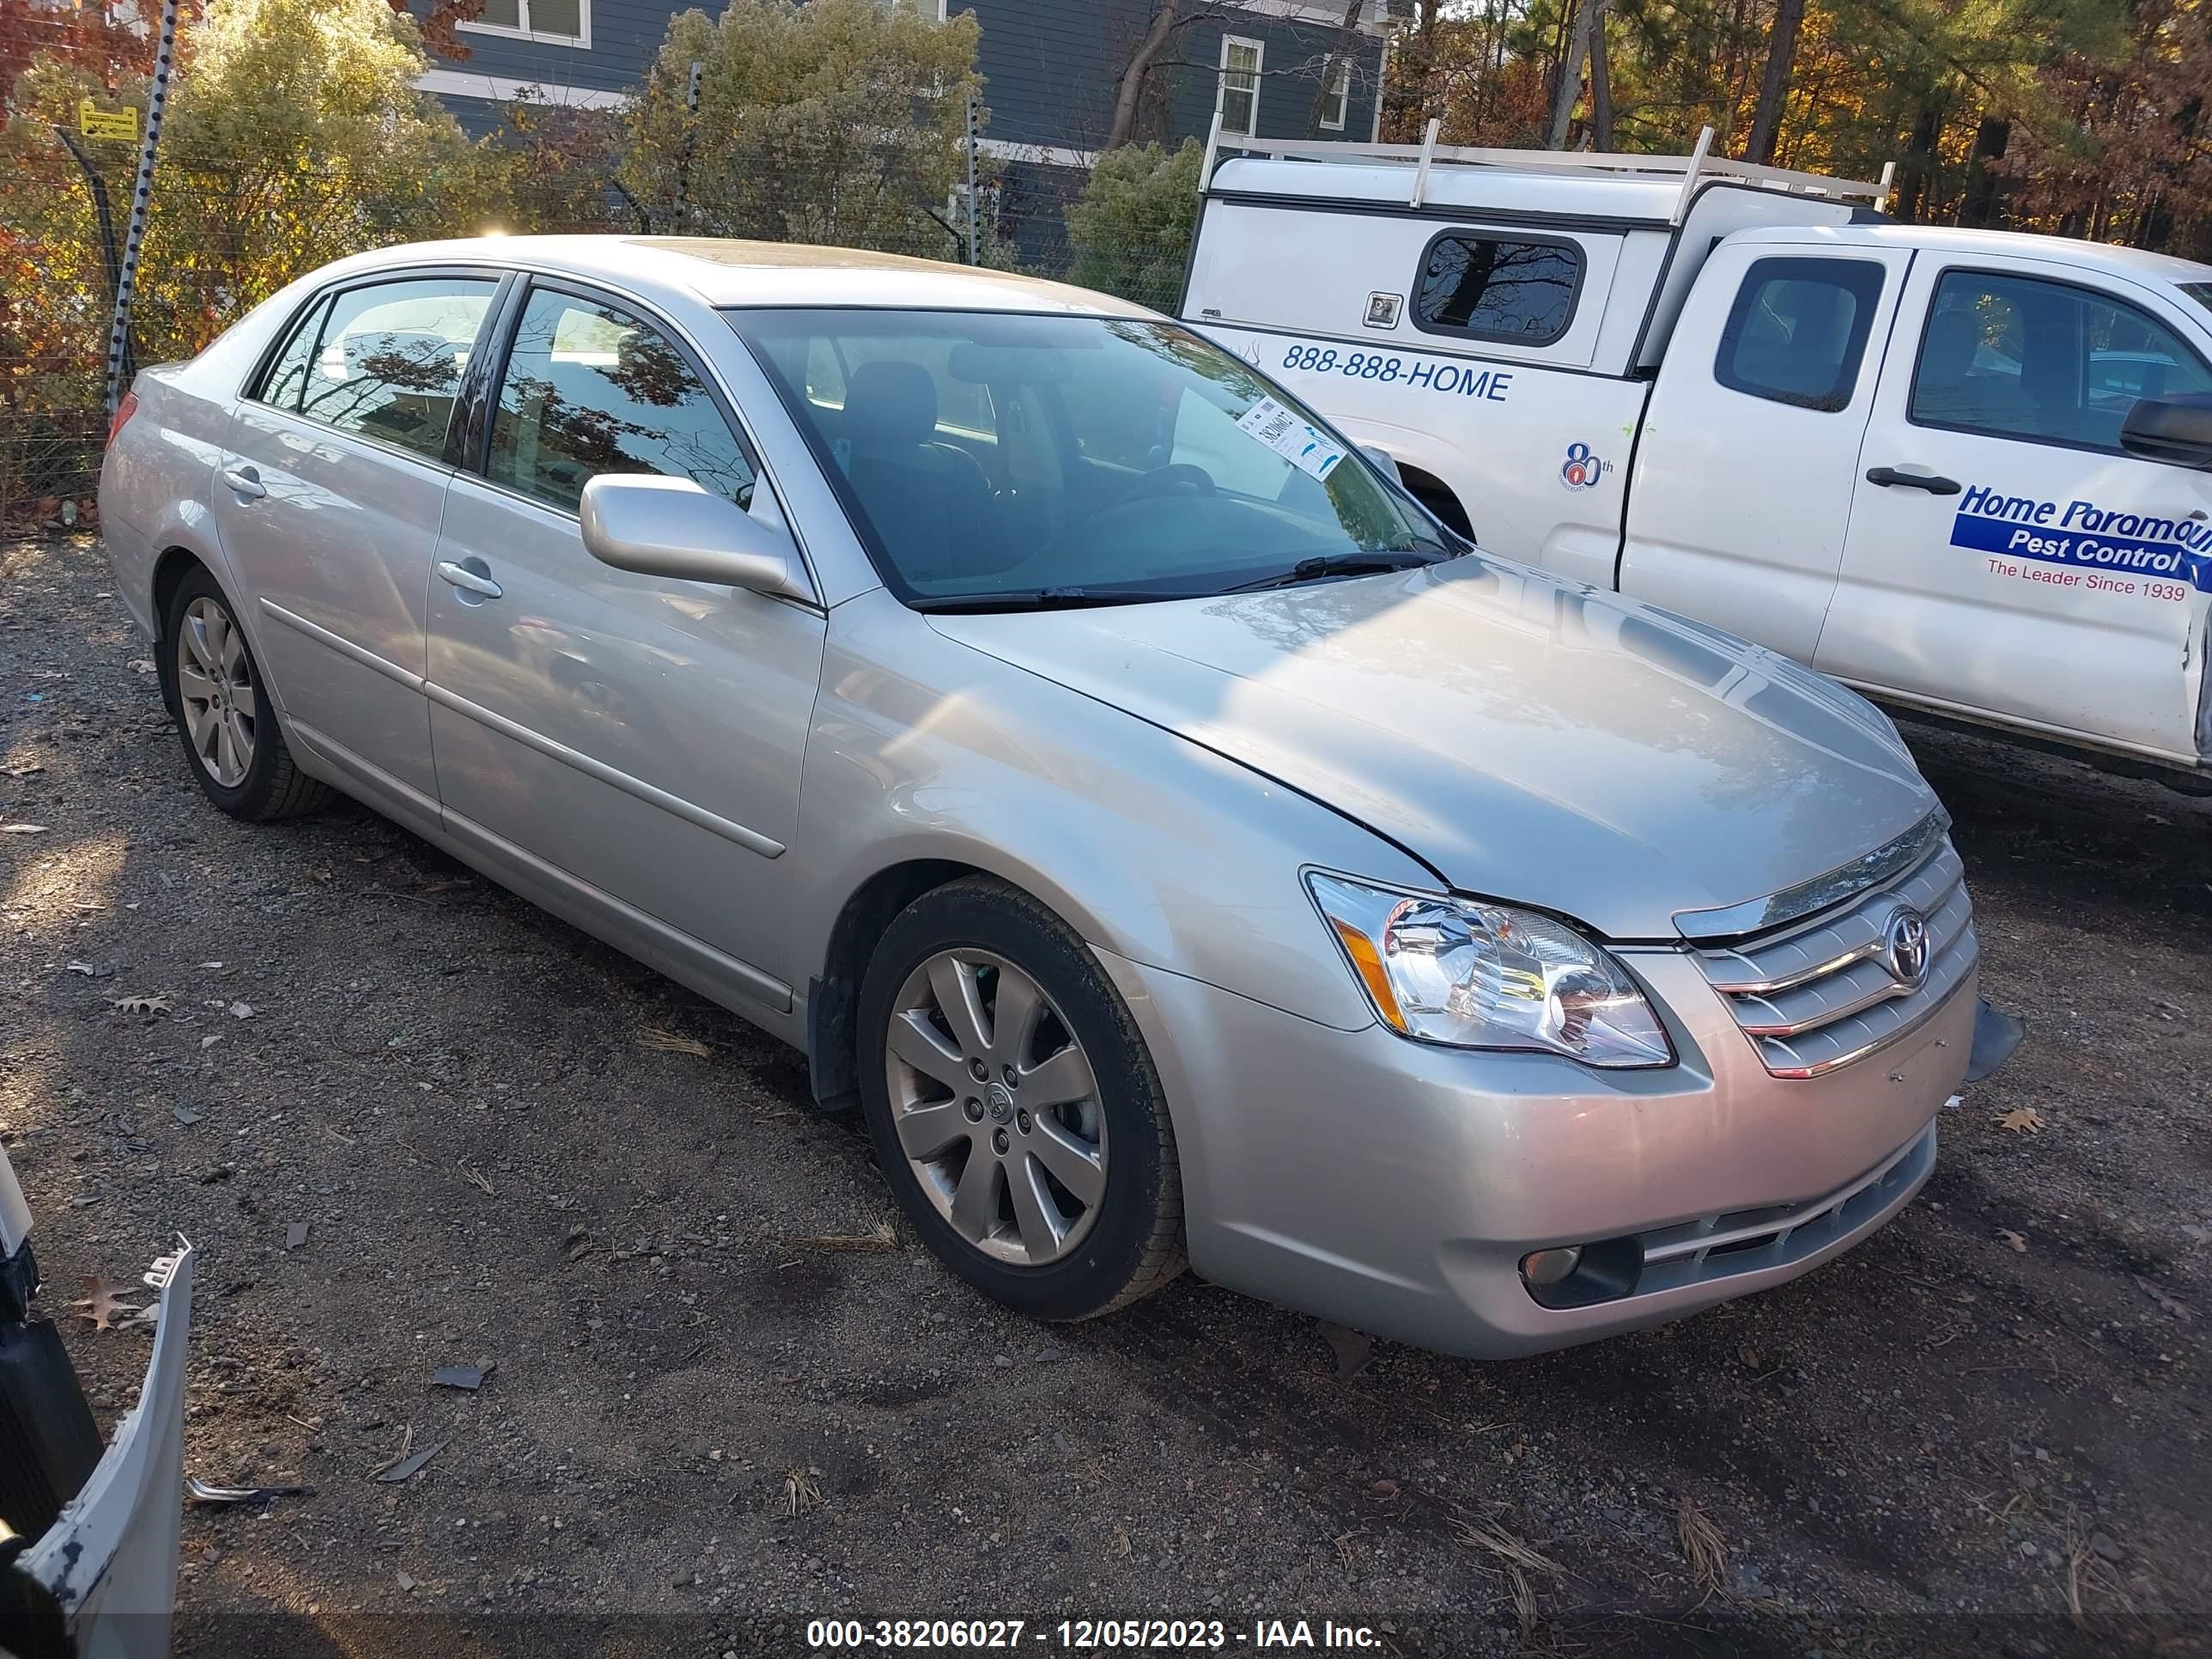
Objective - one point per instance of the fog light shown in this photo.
(1550, 1267)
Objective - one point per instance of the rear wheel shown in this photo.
(224, 715)
(1014, 1107)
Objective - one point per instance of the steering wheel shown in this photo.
(1162, 480)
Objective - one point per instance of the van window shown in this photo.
(1520, 289)
(2021, 357)
(1797, 331)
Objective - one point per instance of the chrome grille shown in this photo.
(1819, 994)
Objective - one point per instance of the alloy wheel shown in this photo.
(214, 688)
(996, 1107)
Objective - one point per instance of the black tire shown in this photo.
(1134, 1244)
(273, 786)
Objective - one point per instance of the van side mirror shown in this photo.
(2176, 430)
(1385, 463)
(660, 527)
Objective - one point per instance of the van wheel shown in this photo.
(223, 713)
(1014, 1107)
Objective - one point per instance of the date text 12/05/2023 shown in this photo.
(1096, 1635)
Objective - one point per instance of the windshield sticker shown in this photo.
(1291, 438)
(1391, 368)
(2104, 549)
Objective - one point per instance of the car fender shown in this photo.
(1145, 842)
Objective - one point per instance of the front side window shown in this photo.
(561, 22)
(1239, 101)
(388, 358)
(1797, 331)
(2021, 357)
(991, 459)
(589, 389)
(1520, 289)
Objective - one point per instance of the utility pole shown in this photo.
(126, 277)
(974, 114)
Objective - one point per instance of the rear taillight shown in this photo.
(124, 411)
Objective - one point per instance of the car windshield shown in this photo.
(996, 460)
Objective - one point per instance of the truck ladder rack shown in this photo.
(1692, 170)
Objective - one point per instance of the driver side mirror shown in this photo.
(660, 527)
(2175, 430)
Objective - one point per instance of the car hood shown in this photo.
(1528, 740)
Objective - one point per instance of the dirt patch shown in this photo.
(702, 1429)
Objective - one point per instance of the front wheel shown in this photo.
(1014, 1109)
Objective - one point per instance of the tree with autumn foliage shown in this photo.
(2083, 117)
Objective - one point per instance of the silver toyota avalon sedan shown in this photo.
(1177, 845)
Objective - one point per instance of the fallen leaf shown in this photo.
(406, 1468)
(2018, 1242)
(1383, 1491)
(23, 829)
(1352, 1349)
(103, 1308)
(1749, 1355)
(2021, 1121)
(2177, 1309)
(142, 1005)
(669, 1043)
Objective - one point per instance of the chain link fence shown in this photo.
(225, 232)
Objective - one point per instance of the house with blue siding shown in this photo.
(1051, 66)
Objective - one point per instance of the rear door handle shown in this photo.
(245, 482)
(1889, 478)
(478, 582)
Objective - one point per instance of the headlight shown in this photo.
(1485, 976)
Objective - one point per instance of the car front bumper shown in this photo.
(1394, 1186)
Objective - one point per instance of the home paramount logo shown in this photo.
(2081, 532)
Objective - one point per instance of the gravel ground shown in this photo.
(723, 1403)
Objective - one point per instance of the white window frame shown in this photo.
(1221, 84)
(581, 40)
(1341, 92)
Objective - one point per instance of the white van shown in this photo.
(1962, 472)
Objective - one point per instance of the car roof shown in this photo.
(2143, 266)
(726, 272)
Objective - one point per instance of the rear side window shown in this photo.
(1798, 330)
(2020, 357)
(589, 389)
(1519, 289)
(388, 358)
(287, 373)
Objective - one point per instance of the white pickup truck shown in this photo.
(1964, 471)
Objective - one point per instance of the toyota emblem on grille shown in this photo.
(1904, 947)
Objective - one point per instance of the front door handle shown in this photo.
(245, 482)
(476, 581)
(1889, 478)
